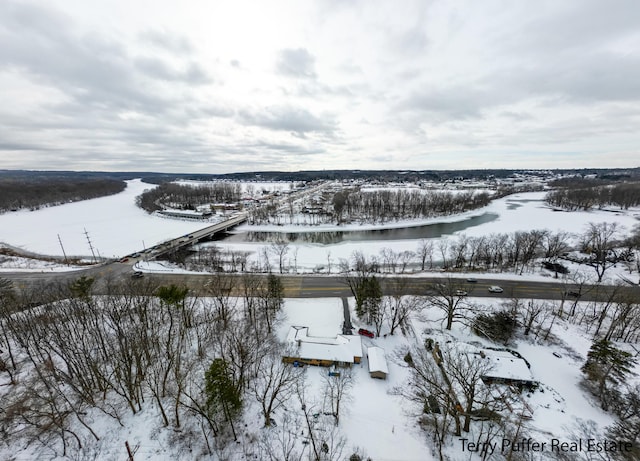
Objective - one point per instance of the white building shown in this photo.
(341, 350)
(377, 363)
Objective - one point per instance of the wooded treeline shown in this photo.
(584, 194)
(375, 207)
(600, 246)
(69, 358)
(188, 197)
(385, 205)
(32, 194)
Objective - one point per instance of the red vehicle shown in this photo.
(366, 333)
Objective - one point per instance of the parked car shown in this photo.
(366, 333)
(123, 260)
(573, 294)
(460, 293)
(495, 289)
(137, 275)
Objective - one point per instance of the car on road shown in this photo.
(573, 293)
(460, 293)
(367, 333)
(123, 260)
(137, 275)
(495, 289)
(472, 280)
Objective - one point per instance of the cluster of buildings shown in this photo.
(341, 351)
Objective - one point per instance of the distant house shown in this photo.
(377, 363)
(342, 350)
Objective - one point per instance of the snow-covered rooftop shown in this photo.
(377, 360)
(506, 366)
(342, 348)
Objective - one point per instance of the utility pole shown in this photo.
(90, 245)
(63, 252)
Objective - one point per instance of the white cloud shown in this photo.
(228, 86)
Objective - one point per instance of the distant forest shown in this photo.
(32, 193)
(188, 197)
(585, 194)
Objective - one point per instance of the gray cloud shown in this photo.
(175, 43)
(100, 80)
(460, 102)
(289, 118)
(298, 63)
(156, 68)
(479, 79)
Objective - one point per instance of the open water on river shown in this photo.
(434, 230)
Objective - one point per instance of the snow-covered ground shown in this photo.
(385, 425)
(374, 420)
(519, 212)
(115, 225)
(559, 404)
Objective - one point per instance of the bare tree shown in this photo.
(599, 241)
(8, 305)
(425, 253)
(337, 388)
(266, 262)
(449, 297)
(443, 246)
(556, 244)
(275, 382)
(220, 288)
(389, 259)
(531, 311)
(280, 248)
(405, 259)
(398, 307)
(430, 391)
(465, 370)
(282, 443)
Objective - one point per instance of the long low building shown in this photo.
(186, 214)
(341, 350)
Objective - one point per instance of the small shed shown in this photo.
(377, 363)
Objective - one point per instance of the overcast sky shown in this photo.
(217, 87)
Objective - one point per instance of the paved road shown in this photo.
(315, 286)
